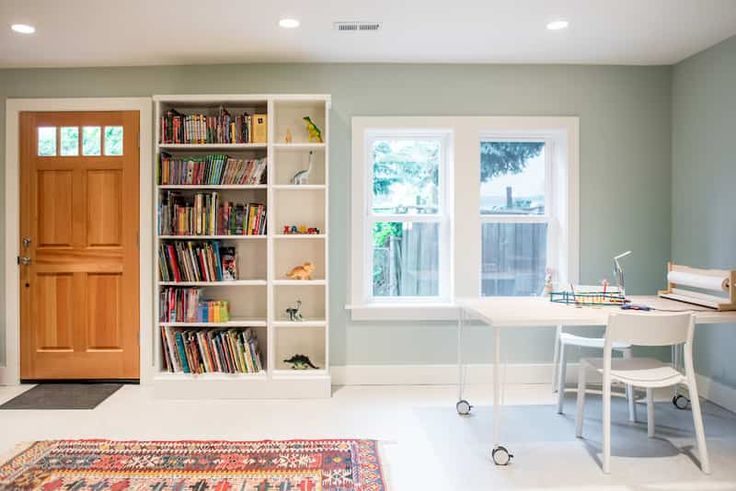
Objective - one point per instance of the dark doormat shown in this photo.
(62, 396)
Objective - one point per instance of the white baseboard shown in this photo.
(538, 373)
(716, 392)
(439, 374)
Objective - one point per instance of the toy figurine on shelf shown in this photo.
(288, 138)
(302, 177)
(295, 313)
(301, 362)
(314, 133)
(300, 230)
(303, 272)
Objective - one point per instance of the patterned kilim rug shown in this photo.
(293, 465)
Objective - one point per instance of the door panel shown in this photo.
(79, 216)
(104, 203)
(54, 208)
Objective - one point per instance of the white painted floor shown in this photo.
(426, 445)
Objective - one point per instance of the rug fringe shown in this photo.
(14, 451)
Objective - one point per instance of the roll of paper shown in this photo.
(704, 282)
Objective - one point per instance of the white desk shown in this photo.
(519, 312)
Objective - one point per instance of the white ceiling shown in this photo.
(148, 32)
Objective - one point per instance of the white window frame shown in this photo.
(561, 135)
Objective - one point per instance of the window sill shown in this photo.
(404, 312)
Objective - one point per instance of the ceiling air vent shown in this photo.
(357, 26)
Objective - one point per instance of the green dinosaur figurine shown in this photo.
(301, 362)
(315, 134)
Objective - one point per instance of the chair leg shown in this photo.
(580, 415)
(561, 378)
(650, 412)
(556, 360)
(606, 425)
(699, 430)
(630, 394)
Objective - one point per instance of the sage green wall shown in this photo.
(624, 161)
(704, 185)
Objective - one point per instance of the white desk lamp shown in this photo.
(618, 272)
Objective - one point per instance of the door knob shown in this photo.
(24, 260)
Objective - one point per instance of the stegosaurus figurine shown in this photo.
(301, 362)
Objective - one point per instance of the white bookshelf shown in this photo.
(259, 297)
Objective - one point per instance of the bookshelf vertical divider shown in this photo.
(261, 292)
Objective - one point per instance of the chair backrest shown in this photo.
(650, 328)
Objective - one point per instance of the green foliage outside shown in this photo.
(499, 158)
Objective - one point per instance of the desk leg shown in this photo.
(463, 407)
(499, 454)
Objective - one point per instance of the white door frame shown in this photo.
(10, 373)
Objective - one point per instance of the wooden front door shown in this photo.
(78, 254)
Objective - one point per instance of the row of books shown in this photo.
(197, 261)
(210, 169)
(186, 305)
(203, 214)
(211, 350)
(176, 127)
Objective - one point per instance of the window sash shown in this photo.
(441, 218)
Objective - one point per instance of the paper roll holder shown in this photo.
(683, 293)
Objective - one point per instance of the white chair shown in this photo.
(644, 329)
(563, 341)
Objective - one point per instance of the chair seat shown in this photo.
(641, 372)
(572, 339)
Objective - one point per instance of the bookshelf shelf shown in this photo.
(300, 324)
(212, 186)
(258, 302)
(299, 282)
(215, 283)
(230, 323)
(211, 146)
(299, 146)
(212, 237)
(301, 187)
(299, 236)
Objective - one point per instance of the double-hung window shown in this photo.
(517, 240)
(406, 226)
(445, 208)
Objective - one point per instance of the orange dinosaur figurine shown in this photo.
(303, 272)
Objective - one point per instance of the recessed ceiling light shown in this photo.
(556, 25)
(23, 28)
(289, 23)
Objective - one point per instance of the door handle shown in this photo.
(24, 260)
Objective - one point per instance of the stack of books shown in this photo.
(210, 350)
(186, 305)
(197, 261)
(176, 127)
(204, 215)
(212, 169)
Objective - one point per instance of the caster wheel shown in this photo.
(463, 407)
(680, 401)
(501, 456)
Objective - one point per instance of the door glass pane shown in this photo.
(69, 140)
(514, 258)
(405, 259)
(91, 141)
(406, 174)
(512, 178)
(113, 140)
(46, 141)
